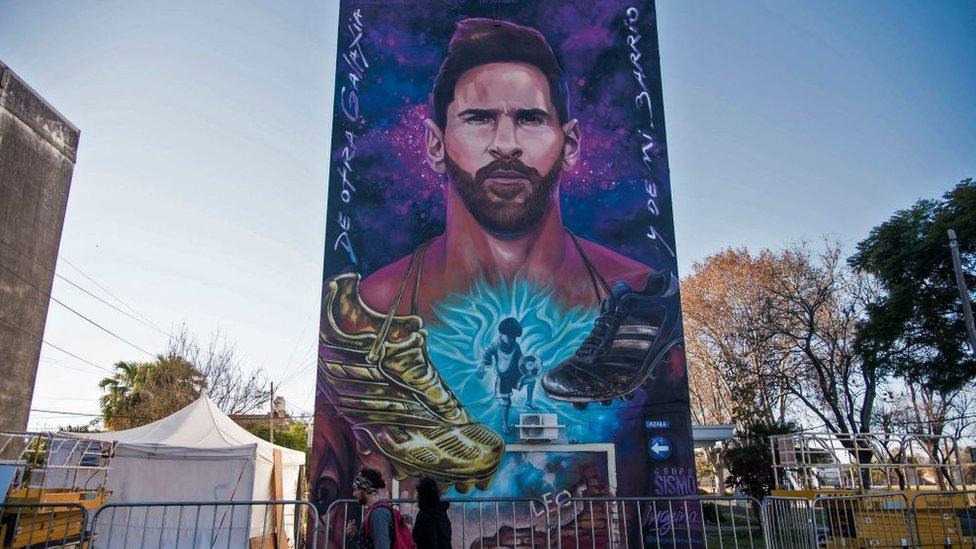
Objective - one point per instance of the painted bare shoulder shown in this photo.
(379, 289)
(616, 267)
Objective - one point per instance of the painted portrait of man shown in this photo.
(468, 288)
(502, 131)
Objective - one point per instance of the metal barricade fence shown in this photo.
(232, 524)
(929, 519)
(625, 522)
(945, 519)
(788, 523)
(869, 520)
(483, 523)
(40, 525)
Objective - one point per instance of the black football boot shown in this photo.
(631, 335)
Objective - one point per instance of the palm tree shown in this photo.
(141, 392)
(123, 388)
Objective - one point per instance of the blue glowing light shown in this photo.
(464, 324)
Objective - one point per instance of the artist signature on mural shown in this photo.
(666, 521)
(650, 147)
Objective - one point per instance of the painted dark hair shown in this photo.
(428, 494)
(510, 326)
(479, 41)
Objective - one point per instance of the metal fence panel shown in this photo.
(624, 522)
(945, 519)
(870, 520)
(42, 525)
(882, 520)
(483, 523)
(164, 525)
(788, 523)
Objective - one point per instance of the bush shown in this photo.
(749, 458)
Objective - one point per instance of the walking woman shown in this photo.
(432, 529)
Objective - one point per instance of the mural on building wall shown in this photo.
(499, 242)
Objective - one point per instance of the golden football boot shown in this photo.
(380, 378)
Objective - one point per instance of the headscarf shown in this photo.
(364, 485)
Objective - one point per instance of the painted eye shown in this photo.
(478, 120)
(530, 120)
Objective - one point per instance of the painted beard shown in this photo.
(494, 206)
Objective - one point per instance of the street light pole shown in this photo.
(272, 416)
(967, 308)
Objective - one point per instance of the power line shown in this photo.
(49, 344)
(104, 289)
(66, 306)
(64, 278)
(289, 365)
(70, 367)
(64, 413)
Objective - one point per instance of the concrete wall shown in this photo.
(37, 156)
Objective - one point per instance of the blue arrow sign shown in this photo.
(660, 448)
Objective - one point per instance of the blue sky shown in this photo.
(199, 193)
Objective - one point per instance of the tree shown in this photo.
(294, 435)
(775, 328)
(749, 457)
(90, 427)
(818, 306)
(915, 325)
(142, 392)
(232, 389)
(731, 345)
(731, 342)
(138, 393)
(942, 418)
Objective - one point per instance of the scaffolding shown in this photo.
(55, 480)
(864, 462)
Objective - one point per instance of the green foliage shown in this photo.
(749, 458)
(142, 392)
(916, 326)
(294, 436)
(34, 457)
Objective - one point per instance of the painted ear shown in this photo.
(435, 146)
(571, 146)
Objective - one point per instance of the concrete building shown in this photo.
(37, 156)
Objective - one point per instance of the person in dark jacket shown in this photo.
(432, 529)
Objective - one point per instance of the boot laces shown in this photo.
(603, 328)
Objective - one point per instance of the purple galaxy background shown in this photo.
(398, 201)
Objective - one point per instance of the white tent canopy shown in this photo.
(198, 454)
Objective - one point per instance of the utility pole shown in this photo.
(967, 308)
(272, 414)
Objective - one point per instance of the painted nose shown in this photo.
(505, 144)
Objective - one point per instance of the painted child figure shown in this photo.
(504, 355)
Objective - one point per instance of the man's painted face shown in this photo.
(504, 145)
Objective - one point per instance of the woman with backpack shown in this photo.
(432, 529)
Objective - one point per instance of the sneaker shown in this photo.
(393, 397)
(631, 335)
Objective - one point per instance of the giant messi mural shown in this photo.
(500, 242)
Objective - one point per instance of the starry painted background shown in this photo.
(399, 201)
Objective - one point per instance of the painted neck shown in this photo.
(477, 252)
